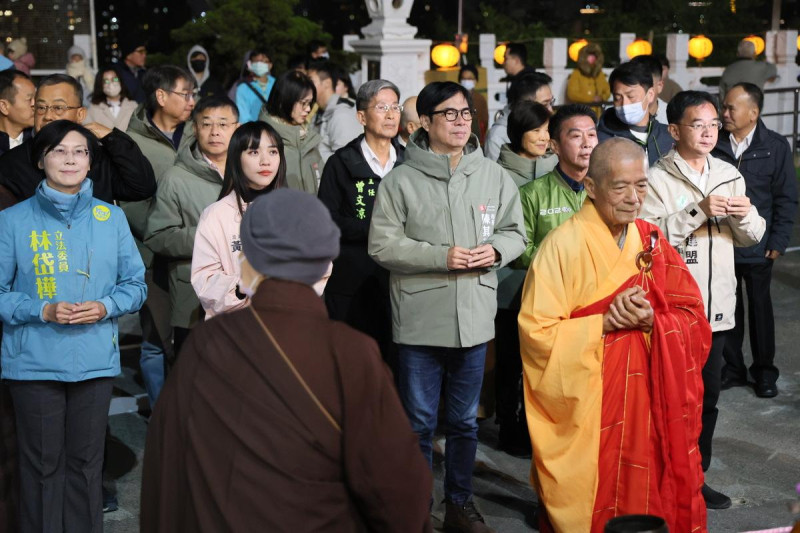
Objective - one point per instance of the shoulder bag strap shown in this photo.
(291, 366)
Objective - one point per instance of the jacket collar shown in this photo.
(717, 174)
(84, 201)
(282, 295)
(353, 159)
(759, 141)
(191, 160)
(291, 134)
(438, 165)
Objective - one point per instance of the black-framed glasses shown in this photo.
(450, 114)
(58, 109)
(550, 102)
(187, 96)
(698, 127)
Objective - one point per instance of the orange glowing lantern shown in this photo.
(500, 54)
(639, 47)
(575, 48)
(700, 47)
(445, 55)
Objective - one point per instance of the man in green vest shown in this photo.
(550, 200)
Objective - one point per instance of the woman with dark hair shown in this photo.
(528, 142)
(288, 107)
(255, 166)
(521, 157)
(111, 104)
(68, 269)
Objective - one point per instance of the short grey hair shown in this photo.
(368, 90)
(746, 49)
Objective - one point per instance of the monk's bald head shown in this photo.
(604, 157)
(617, 182)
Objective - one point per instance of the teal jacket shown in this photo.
(46, 257)
(546, 203)
(420, 212)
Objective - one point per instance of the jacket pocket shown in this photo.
(488, 280)
(421, 282)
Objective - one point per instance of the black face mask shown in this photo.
(198, 65)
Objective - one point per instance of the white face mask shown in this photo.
(631, 114)
(259, 68)
(468, 84)
(112, 89)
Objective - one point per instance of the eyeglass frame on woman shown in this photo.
(58, 109)
(444, 113)
(61, 153)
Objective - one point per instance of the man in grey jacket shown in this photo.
(699, 202)
(442, 224)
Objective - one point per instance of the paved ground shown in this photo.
(756, 448)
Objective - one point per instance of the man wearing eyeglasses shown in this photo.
(699, 202)
(161, 128)
(358, 290)
(336, 121)
(186, 189)
(443, 223)
(118, 172)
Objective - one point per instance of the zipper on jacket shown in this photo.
(710, 262)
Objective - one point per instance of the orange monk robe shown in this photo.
(578, 265)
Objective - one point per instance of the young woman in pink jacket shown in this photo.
(255, 166)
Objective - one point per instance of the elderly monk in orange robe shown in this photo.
(613, 339)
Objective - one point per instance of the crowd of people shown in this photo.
(317, 267)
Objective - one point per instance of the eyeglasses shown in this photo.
(187, 96)
(450, 115)
(715, 125)
(550, 102)
(62, 153)
(384, 108)
(305, 103)
(222, 126)
(110, 81)
(58, 110)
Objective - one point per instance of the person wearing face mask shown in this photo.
(78, 69)
(296, 397)
(253, 92)
(111, 105)
(632, 85)
(588, 84)
(255, 166)
(199, 65)
(468, 78)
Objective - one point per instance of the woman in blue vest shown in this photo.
(68, 269)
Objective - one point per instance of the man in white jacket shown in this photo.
(699, 203)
